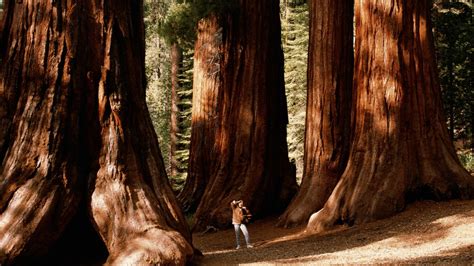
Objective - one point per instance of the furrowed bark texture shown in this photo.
(247, 154)
(132, 204)
(330, 64)
(401, 149)
(81, 118)
(40, 179)
(206, 85)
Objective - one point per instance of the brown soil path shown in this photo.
(427, 232)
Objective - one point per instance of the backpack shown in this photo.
(246, 215)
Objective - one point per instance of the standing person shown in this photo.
(239, 215)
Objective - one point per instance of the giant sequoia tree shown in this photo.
(238, 144)
(330, 60)
(204, 112)
(401, 149)
(74, 126)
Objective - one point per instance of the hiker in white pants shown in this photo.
(240, 215)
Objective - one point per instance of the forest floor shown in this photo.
(426, 232)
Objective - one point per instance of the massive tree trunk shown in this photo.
(401, 149)
(207, 54)
(328, 111)
(75, 125)
(41, 174)
(240, 115)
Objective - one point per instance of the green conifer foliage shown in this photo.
(158, 69)
(168, 22)
(294, 18)
(453, 32)
(184, 119)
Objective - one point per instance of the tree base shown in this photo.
(157, 247)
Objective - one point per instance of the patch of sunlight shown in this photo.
(456, 233)
(215, 252)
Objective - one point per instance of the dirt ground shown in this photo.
(426, 232)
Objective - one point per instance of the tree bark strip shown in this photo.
(40, 175)
(328, 112)
(206, 87)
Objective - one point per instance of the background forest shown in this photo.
(453, 30)
(249, 99)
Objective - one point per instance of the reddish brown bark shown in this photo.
(246, 153)
(40, 179)
(75, 115)
(330, 62)
(401, 149)
(207, 54)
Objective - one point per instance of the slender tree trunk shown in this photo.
(451, 96)
(244, 89)
(328, 111)
(472, 124)
(176, 58)
(77, 125)
(401, 149)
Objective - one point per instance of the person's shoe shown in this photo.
(237, 247)
(249, 246)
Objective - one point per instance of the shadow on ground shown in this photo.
(422, 223)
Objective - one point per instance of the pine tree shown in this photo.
(158, 70)
(294, 17)
(453, 30)
(168, 26)
(185, 94)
